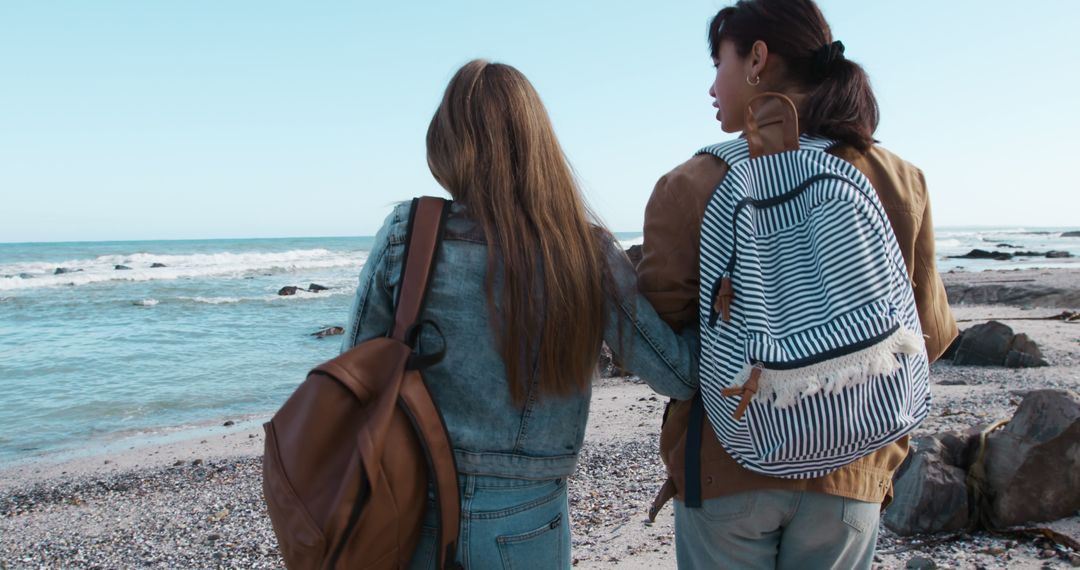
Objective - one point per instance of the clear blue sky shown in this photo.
(202, 119)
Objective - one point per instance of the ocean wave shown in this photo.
(627, 243)
(37, 274)
(268, 298)
(145, 302)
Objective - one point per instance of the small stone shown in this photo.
(197, 462)
(229, 423)
(921, 563)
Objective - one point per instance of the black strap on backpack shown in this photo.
(695, 425)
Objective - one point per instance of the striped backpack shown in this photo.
(811, 351)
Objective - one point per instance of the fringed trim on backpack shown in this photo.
(784, 388)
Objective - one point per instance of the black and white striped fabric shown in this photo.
(822, 306)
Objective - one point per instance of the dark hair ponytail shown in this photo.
(840, 103)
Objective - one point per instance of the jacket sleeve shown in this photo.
(935, 316)
(643, 343)
(668, 271)
(372, 312)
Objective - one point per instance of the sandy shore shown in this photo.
(196, 503)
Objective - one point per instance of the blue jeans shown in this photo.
(505, 523)
(777, 529)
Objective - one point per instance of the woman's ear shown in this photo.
(759, 55)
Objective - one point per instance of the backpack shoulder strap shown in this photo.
(731, 152)
(426, 219)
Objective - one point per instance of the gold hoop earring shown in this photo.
(753, 83)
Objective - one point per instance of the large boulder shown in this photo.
(930, 492)
(288, 290)
(1033, 464)
(315, 288)
(994, 344)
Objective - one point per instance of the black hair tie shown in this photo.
(826, 57)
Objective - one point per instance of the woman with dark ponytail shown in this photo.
(740, 518)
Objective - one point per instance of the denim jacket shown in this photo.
(489, 434)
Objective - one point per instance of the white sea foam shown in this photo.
(145, 302)
(626, 243)
(36, 274)
(214, 300)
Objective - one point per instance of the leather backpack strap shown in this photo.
(426, 220)
(428, 422)
(781, 124)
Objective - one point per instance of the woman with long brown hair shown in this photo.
(527, 286)
(782, 80)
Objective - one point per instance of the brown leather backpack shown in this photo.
(347, 458)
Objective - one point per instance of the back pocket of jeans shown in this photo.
(531, 549)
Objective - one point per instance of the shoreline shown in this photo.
(195, 500)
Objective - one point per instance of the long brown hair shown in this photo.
(841, 104)
(492, 146)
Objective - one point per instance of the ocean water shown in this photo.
(98, 356)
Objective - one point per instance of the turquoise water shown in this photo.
(92, 356)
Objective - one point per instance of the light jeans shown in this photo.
(505, 523)
(777, 529)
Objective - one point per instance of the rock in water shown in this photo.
(328, 331)
(983, 254)
(315, 288)
(930, 493)
(122, 268)
(1031, 464)
(63, 270)
(994, 344)
(287, 290)
(1054, 254)
(156, 265)
(1070, 234)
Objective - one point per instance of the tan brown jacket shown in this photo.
(668, 276)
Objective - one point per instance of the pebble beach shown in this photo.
(197, 502)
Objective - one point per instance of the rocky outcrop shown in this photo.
(315, 288)
(1033, 464)
(983, 254)
(1070, 234)
(121, 268)
(63, 270)
(157, 265)
(994, 344)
